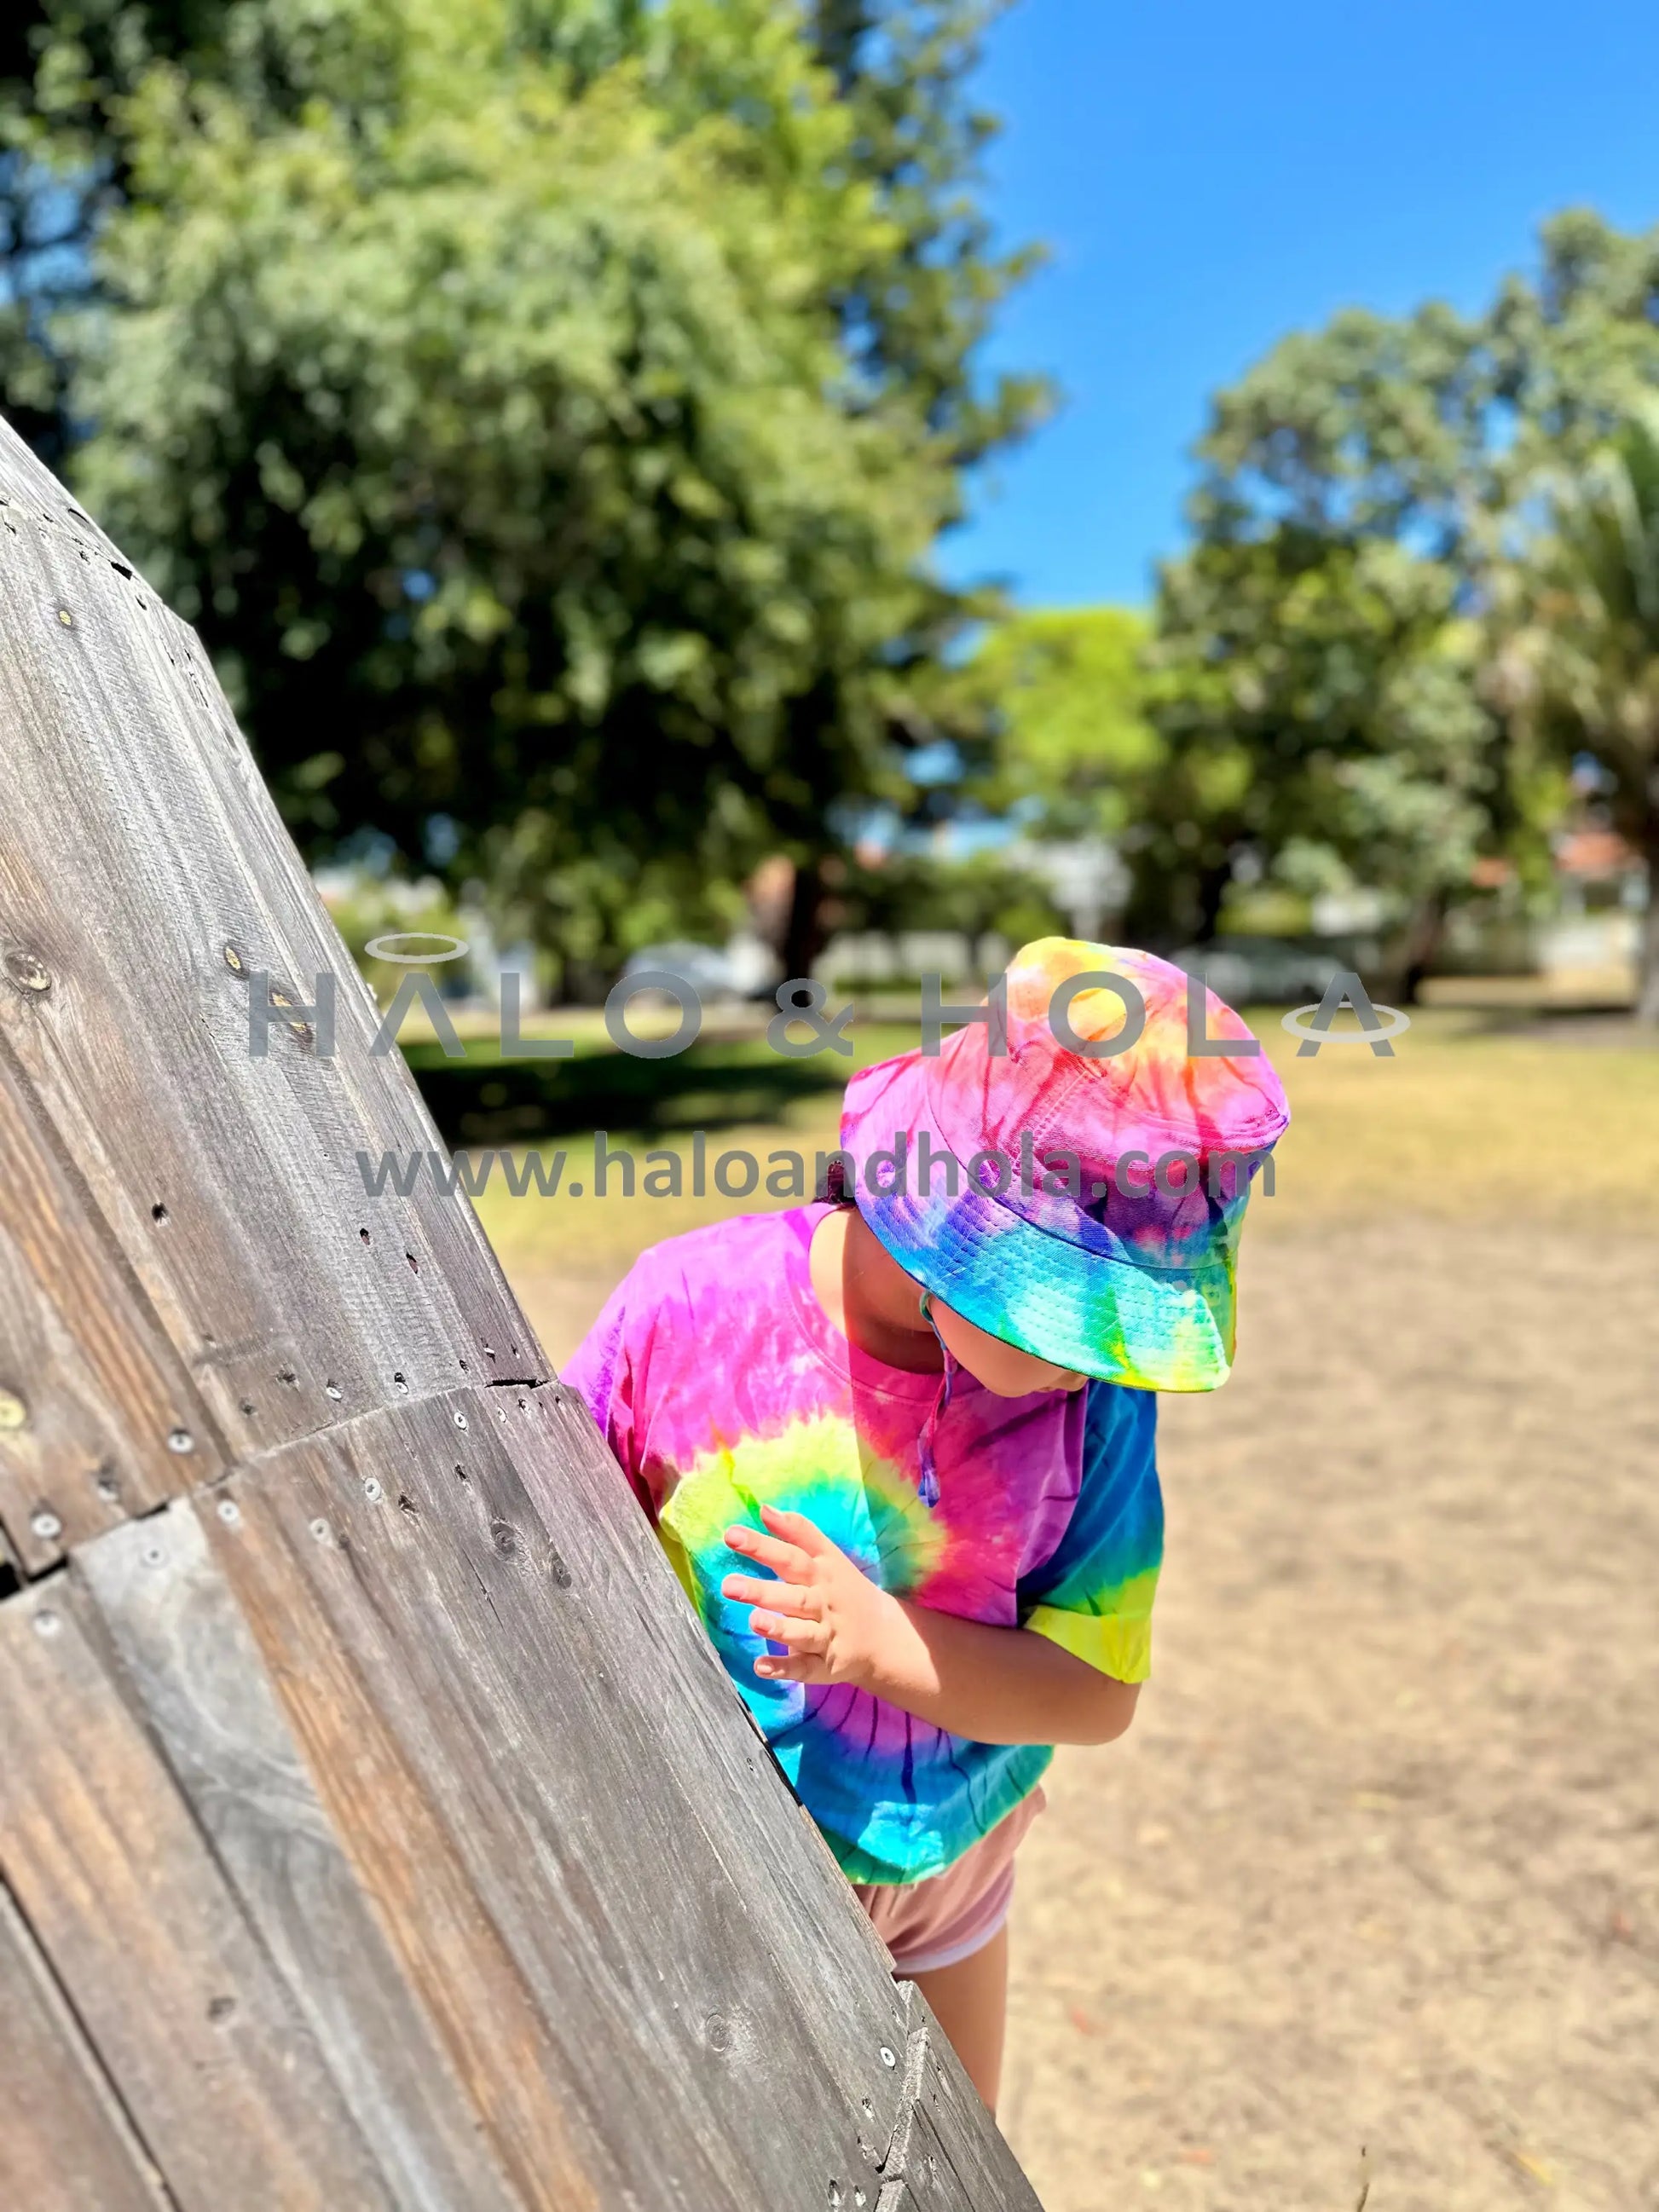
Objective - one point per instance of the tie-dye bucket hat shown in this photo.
(1099, 1195)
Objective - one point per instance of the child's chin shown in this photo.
(1007, 1386)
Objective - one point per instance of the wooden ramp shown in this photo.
(377, 1828)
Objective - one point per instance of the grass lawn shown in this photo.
(1469, 1119)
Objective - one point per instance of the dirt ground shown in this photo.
(1378, 1864)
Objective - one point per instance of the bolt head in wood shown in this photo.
(46, 1622)
(14, 1411)
(45, 1524)
(180, 1441)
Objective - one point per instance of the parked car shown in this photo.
(744, 968)
(1271, 971)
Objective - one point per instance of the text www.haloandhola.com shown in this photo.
(895, 1170)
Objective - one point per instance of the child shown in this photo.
(900, 1448)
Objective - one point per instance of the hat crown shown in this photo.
(1111, 1259)
(1154, 1095)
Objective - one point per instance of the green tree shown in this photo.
(1362, 492)
(545, 410)
(1064, 691)
(1319, 706)
(1591, 646)
(912, 307)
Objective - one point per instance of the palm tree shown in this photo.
(1592, 643)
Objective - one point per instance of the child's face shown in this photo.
(1004, 1369)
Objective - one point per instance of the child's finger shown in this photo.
(783, 1559)
(783, 1597)
(803, 1638)
(797, 1529)
(771, 1669)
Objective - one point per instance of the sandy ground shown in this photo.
(1379, 1865)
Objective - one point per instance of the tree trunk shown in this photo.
(1211, 893)
(803, 931)
(1424, 933)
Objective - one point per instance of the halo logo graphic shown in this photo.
(1313, 1024)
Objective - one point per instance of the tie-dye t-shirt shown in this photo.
(719, 1383)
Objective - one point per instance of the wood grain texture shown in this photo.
(378, 1806)
(98, 1417)
(64, 2145)
(450, 1949)
(946, 2154)
(193, 1662)
(510, 1681)
(145, 878)
(180, 2002)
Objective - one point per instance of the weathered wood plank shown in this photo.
(295, 1298)
(98, 1417)
(630, 1871)
(448, 1946)
(64, 2145)
(495, 1723)
(187, 2017)
(946, 2154)
(821, 1939)
(196, 1668)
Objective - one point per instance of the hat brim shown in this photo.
(1151, 1328)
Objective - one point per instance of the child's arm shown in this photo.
(992, 1685)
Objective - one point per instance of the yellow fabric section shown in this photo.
(671, 1542)
(1119, 1644)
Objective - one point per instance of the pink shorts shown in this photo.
(948, 1916)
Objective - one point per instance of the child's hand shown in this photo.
(838, 1625)
(994, 1685)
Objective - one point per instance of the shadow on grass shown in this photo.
(486, 1100)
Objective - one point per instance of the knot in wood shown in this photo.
(27, 971)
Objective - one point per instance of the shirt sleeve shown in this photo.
(1093, 1595)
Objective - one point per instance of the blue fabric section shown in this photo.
(1115, 1538)
(956, 1793)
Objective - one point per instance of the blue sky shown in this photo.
(1208, 176)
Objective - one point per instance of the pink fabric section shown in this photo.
(948, 1916)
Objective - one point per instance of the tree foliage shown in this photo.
(1064, 689)
(1588, 654)
(545, 410)
(1319, 707)
(1332, 653)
